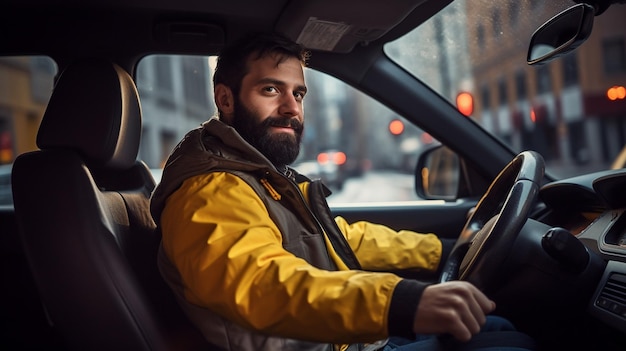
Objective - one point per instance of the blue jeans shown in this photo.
(498, 334)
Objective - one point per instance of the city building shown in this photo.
(554, 108)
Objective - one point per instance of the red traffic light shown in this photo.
(465, 103)
(396, 127)
(616, 92)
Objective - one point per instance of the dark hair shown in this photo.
(232, 61)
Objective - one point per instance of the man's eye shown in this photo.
(269, 89)
(298, 95)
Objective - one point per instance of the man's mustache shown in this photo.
(284, 122)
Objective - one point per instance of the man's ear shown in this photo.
(224, 99)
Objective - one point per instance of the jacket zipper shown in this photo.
(338, 244)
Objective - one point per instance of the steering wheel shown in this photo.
(490, 231)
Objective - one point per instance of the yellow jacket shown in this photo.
(230, 259)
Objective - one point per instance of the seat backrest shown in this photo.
(82, 207)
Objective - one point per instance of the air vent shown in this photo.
(612, 298)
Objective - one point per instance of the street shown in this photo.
(375, 186)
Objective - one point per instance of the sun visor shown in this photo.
(338, 26)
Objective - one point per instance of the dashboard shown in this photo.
(593, 209)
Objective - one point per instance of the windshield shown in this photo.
(569, 110)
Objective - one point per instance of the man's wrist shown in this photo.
(404, 301)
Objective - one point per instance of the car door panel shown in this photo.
(446, 219)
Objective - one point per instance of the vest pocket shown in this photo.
(311, 248)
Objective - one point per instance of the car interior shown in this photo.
(78, 243)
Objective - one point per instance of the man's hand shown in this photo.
(457, 308)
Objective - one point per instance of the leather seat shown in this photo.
(82, 207)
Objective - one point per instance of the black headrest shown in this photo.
(94, 110)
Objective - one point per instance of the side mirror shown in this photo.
(437, 174)
(561, 34)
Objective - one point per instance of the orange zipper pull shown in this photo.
(275, 195)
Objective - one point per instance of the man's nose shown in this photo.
(289, 106)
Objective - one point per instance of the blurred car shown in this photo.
(548, 247)
(332, 165)
(329, 166)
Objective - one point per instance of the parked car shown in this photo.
(525, 183)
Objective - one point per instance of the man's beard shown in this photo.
(279, 148)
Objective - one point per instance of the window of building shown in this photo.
(544, 79)
(514, 11)
(520, 85)
(195, 78)
(485, 97)
(480, 36)
(570, 69)
(614, 54)
(164, 80)
(497, 23)
(167, 140)
(502, 92)
(535, 3)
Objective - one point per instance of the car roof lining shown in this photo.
(198, 27)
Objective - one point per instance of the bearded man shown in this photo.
(253, 254)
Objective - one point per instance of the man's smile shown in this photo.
(283, 129)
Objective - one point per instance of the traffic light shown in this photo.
(396, 127)
(465, 103)
(616, 92)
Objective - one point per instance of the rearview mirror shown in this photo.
(561, 34)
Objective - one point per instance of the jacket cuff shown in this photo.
(446, 248)
(404, 300)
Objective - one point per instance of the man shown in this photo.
(251, 249)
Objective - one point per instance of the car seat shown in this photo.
(82, 207)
